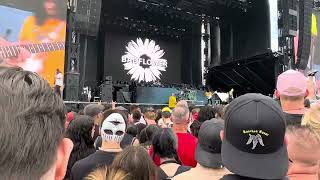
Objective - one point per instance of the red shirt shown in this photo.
(155, 157)
(187, 144)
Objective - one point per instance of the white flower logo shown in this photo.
(143, 60)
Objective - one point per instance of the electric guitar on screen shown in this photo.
(9, 53)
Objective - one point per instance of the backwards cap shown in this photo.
(292, 83)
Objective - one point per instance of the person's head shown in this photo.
(132, 130)
(312, 118)
(183, 103)
(106, 113)
(166, 113)
(219, 111)
(113, 127)
(50, 8)
(253, 140)
(136, 116)
(147, 134)
(81, 132)
(32, 120)
(158, 115)
(123, 110)
(180, 115)
(150, 114)
(143, 138)
(195, 113)
(69, 119)
(140, 127)
(208, 152)
(136, 160)
(291, 89)
(206, 113)
(134, 107)
(150, 132)
(165, 144)
(58, 71)
(95, 111)
(195, 127)
(108, 173)
(303, 145)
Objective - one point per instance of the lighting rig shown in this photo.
(135, 25)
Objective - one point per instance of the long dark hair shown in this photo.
(147, 134)
(165, 144)
(41, 14)
(79, 132)
(136, 160)
(206, 113)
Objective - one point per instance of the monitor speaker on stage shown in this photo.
(305, 19)
(88, 16)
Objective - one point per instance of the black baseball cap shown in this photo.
(208, 152)
(253, 144)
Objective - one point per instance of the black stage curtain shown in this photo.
(191, 56)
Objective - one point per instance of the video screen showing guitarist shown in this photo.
(36, 39)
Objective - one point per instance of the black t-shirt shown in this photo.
(181, 169)
(293, 119)
(83, 167)
(237, 177)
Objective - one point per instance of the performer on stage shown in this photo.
(58, 82)
(209, 95)
(230, 94)
(172, 101)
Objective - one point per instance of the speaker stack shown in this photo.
(106, 90)
(88, 16)
(290, 18)
(72, 86)
(305, 19)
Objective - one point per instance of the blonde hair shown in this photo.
(312, 119)
(150, 115)
(105, 173)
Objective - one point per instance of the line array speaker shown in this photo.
(290, 18)
(88, 16)
(305, 17)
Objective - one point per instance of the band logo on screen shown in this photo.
(144, 60)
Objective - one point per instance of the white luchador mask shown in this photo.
(113, 128)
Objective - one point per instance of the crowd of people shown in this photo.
(253, 137)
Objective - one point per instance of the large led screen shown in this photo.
(142, 59)
(32, 35)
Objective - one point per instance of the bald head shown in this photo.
(180, 114)
(182, 103)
